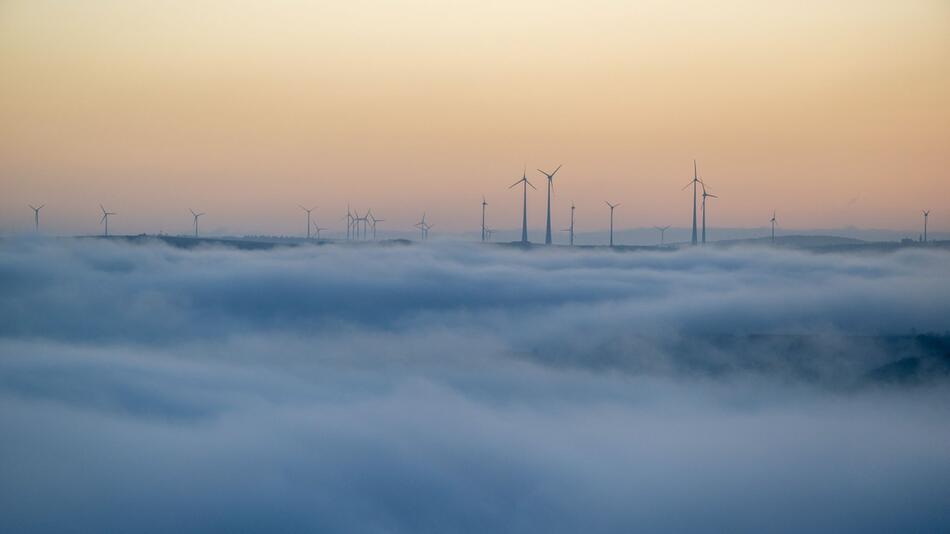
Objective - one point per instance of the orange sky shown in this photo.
(832, 113)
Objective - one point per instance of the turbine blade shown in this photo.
(516, 183)
(529, 183)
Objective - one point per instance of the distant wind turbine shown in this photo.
(36, 216)
(196, 215)
(365, 220)
(484, 203)
(317, 229)
(570, 228)
(662, 230)
(524, 208)
(373, 220)
(705, 194)
(773, 226)
(693, 182)
(349, 221)
(550, 177)
(926, 214)
(308, 210)
(423, 227)
(611, 206)
(105, 219)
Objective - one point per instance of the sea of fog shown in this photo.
(466, 388)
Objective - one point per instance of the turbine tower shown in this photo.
(423, 227)
(925, 212)
(773, 226)
(524, 207)
(349, 221)
(705, 194)
(196, 215)
(611, 206)
(484, 203)
(373, 221)
(36, 217)
(547, 231)
(662, 230)
(308, 210)
(365, 220)
(571, 227)
(105, 219)
(317, 229)
(693, 182)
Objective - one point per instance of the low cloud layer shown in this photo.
(454, 387)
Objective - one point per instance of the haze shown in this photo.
(834, 113)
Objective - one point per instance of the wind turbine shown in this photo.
(349, 221)
(36, 216)
(524, 208)
(373, 221)
(705, 194)
(318, 229)
(484, 203)
(308, 210)
(105, 219)
(612, 206)
(662, 230)
(926, 214)
(693, 182)
(423, 227)
(365, 220)
(547, 231)
(571, 228)
(773, 226)
(196, 215)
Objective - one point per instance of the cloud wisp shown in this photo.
(453, 387)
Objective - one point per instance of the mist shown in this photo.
(451, 387)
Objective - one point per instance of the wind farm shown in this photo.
(358, 228)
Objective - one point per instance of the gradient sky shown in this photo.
(832, 113)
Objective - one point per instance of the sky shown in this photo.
(442, 387)
(831, 113)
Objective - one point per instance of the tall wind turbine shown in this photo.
(308, 210)
(662, 230)
(365, 220)
(571, 227)
(547, 231)
(926, 214)
(423, 227)
(36, 216)
(195, 215)
(484, 203)
(705, 194)
(105, 219)
(611, 206)
(373, 221)
(773, 226)
(693, 182)
(349, 221)
(317, 229)
(524, 207)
